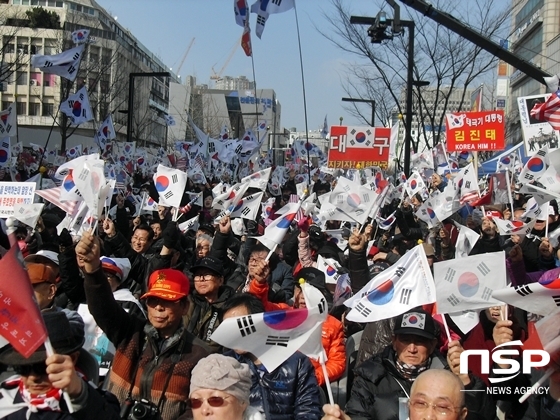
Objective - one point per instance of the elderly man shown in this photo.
(206, 300)
(387, 376)
(436, 393)
(154, 358)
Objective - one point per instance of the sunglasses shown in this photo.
(196, 403)
(26, 370)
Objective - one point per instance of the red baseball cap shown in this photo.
(167, 284)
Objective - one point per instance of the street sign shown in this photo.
(475, 131)
(358, 147)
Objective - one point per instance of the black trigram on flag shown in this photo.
(523, 290)
(322, 305)
(400, 271)
(366, 198)
(168, 194)
(453, 300)
(5, 145)
(274, 340)
(174, 178)
(276, 2)
(487, 293)
(450, 275)
(71, 69)
(84, 174)
(261, 20)
(405, 296)
(76, 56)
(48, 64)
(361, 308)
(245, 211)
(246, 325)
(483, 268)
(211, 147)
(556, 300)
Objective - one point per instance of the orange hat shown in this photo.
(168, 284)
(41, 273)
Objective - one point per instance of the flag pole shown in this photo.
(510, 195)
(304, 99)
(326, 376)
(547, 375)
(446, 327)
(50, 352)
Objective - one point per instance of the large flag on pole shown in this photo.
(65, 64)
(403, 286)
(275, 232)
(468, 283)
(105, 133)
(353, 199)
(21, 322)
(549, 111)
(267, 7)
(258, 179)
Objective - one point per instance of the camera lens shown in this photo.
(139, 411)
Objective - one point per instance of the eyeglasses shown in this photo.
(26, 370)
(196, 403)
(440, 409)
(153, 301)
(204, 278)
(254, 260)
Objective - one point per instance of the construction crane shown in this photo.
(218, 75)
(178, 72)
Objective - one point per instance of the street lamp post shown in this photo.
(369, 101)
(131, 78)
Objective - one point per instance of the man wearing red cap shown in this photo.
(154, 358)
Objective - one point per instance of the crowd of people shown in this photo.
(130, 309)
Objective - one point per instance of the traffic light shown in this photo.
(377, 31)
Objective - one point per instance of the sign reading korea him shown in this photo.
(475, 131)
(358, 147)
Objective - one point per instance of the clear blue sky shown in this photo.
(166, 27)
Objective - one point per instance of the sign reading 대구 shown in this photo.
(475, 131)
(358, 147)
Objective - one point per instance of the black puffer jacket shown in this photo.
(290, 392)
(486, 244)
(378, 385)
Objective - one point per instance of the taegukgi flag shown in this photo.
(170, 185)
(65, 64)
(8, 121)
(542, 298)
(77, 107)
(271, 336)
(468, 283)
(403, 286)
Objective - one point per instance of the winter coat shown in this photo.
(289, 392)
(486, 244)
(378, 386)
(142, 358)
(203, 318)
(332, 336)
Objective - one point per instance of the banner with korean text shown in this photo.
(359, 147)
(14, 193)
(475, 131)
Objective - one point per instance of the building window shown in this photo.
(9, 48)
(23, 48)
(5, 105)
(35, 49)
(21, 108)
(48, 110)
(34, 108)
(92, 82)
(21, 78)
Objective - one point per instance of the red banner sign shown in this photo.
(475, 131)
(358, 147)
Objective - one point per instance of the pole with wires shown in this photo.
(307, 145)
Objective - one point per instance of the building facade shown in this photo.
(240, 83)
(111, 54)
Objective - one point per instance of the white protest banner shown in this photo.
(13, 193)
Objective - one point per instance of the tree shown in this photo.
(41, 18)
(447, 61)
(11, 58)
